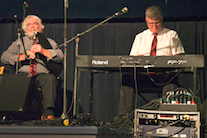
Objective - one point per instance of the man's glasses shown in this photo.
(157, 23)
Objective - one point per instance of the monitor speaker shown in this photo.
(14, 92)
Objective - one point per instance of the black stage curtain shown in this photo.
(112, 39)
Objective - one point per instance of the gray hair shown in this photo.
(32, 16)
(153, 12)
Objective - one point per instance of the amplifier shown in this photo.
(165, 124)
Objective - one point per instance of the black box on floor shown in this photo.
(156, 124)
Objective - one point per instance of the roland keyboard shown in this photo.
(111, 61)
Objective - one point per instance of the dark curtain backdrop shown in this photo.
(111, 39)
(91, 9)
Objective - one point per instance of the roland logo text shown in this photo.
(100, 62)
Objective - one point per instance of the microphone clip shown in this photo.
(25, 5)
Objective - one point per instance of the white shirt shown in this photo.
(168, 43)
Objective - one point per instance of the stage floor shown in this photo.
(53, 131)
(57, 132)
(56, 129)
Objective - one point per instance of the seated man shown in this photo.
(156, 40)
(33, 64)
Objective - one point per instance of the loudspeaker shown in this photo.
(13, 92)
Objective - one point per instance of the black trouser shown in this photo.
(143, 80)
(47, 82)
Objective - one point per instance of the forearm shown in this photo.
(46, 53)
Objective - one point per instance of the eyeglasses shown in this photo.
(157, 23)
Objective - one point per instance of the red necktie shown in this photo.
(154, 46)
(33, 70)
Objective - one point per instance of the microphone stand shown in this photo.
(18, 43)
(90, 29)
(25, 5)
(24, 11)
(64, 114)
(76, 52)
(20, 39)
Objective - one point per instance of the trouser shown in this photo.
(47, 82)
(143, 80)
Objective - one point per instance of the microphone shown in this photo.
(15, 18)
(18, 26)
(124, 10)
(26, 5)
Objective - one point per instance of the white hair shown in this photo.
(35, 17)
